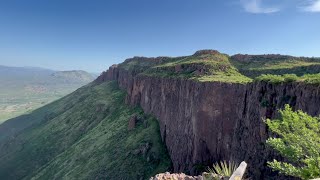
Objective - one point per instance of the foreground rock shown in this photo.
(237, 175)
(182, 176)
(168, 176)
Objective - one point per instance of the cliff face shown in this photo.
(204, 122)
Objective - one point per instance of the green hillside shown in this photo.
(211, 65)
(256, 65)
(84, 135)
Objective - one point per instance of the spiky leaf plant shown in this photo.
(224, 169)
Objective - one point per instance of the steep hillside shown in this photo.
(23, 89)
(85, 135)
(209, 107)
(215, 111)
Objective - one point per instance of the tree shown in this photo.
(298, 141)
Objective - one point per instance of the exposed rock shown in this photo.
(168, 176)
(143, 149)
(239, 173)
(132, 122)
(178, 68)
(206, 51)
(182, 176)
(248, 58)
(205, 122)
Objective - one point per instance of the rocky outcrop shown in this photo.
(207, 51)
(168, 176)
(236, 175)
(182, 176)
(250, 58)
(205, 122)
(132, 122)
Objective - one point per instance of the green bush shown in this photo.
(311, 78)
(270, 78)
(290, 77)
(276, 79)
(298, 141)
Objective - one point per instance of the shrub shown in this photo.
(223, 169)
(270, 78)
(311, 78)
(276, 79)
(290, 77)
(298, 141)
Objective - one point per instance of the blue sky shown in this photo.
(94, 34)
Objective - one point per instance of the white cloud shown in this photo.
(313, 6)
(255, 6)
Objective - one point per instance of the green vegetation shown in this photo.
(275, 79)
(228, 78)
(214, 66)
(298, 141)
(311, 78)
(256, 65)
(84, 135)
(206, 67)
(224, 169)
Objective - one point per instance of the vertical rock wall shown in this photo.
(204, 122)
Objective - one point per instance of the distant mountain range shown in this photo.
(26, 75)
(24, 88)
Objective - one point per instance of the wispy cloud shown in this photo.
(312, 6)
(255, 6)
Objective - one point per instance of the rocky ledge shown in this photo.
(182, 176)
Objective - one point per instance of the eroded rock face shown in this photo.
(205, 122)
(207, 51)
(132, 122)
(249, 58)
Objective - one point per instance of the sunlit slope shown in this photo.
(84, 135)
(211, 65)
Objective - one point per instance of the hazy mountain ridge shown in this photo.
(24, 88)
(33, 75)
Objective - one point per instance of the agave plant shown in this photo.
(223, 169)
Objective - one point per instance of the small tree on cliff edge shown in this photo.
(298, 141)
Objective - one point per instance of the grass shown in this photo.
(222, 68)
(84, 136)
(233, 78)
(286, 78)
(259, 64)
(207, 67)
(287, 63)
